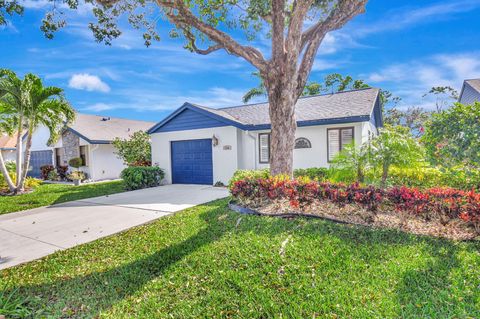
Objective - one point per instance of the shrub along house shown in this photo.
(90, 138)
(201, 145)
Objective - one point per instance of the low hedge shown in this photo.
(314, 173)
(137, 177)
(444, 203)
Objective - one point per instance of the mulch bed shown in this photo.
(385, 217)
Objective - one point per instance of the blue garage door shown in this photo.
(37, 160)
(192, 162)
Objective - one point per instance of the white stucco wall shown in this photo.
(40, 138)
(244, 147)
(9, 155)
(103, 163)
(225, 162)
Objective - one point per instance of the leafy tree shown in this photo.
(395, 146)
(413, 118)
(214, 24)
(351, 161)
(452, 136)
(311, 88)
(135, 151)
(27, 104)
(336, 82)
(444, 96)
(10, 8)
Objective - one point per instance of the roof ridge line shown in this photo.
(302, 97)
(114, 117)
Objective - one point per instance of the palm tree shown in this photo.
(48, 107)
(14, 98)
(32, 105)
(7, 127)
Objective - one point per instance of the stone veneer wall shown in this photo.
(71, 145)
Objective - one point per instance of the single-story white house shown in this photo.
(201, 145)
(8, 147)
(90, 138)
(41, 153)
(470, 92)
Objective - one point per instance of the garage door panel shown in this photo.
(37, 160)
(192, 162)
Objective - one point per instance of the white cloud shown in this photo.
(88, 82)
(407, 16)
(412, 79)
(142, 100)
(98, 107)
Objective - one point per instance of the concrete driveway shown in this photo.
(32, 234)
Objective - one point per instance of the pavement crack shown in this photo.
(35, 239)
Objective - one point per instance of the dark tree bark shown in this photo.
(282, 116)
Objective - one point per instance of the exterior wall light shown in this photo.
(214, 140)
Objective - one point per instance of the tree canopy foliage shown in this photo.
(452, 136)
(134, 151)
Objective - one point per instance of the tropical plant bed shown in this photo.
(387, 217)
(440, 212)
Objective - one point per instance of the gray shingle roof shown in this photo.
(474, 83)
(319, 107)
(97, 128)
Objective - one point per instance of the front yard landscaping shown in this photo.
(48, 194)
(210, 262)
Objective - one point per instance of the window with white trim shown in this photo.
(337, 139)
(264, 147)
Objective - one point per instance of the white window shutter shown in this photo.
(347, 136)
(333, 143)
(264, 140)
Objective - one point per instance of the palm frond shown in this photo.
(252, 93)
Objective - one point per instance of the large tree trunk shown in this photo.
(282, 99)
(4, 171)
(26, 164)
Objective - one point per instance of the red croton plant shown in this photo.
(443, 203)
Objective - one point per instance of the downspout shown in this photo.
(254, 149)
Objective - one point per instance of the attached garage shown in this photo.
(192, 162)
(37, 160)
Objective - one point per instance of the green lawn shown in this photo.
(48, 194)
(199, 264)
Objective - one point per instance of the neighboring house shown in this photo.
(470, 92)
(41, 153)
(8, 147)
(90, 138)
(201, 145)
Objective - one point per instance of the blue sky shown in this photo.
(403, 46)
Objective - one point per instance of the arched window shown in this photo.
(302, 142)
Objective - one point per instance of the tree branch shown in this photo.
(181, 16)
(338, 17)
(191, 38)
(299, 11)
(278, 28)
(312, 38)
